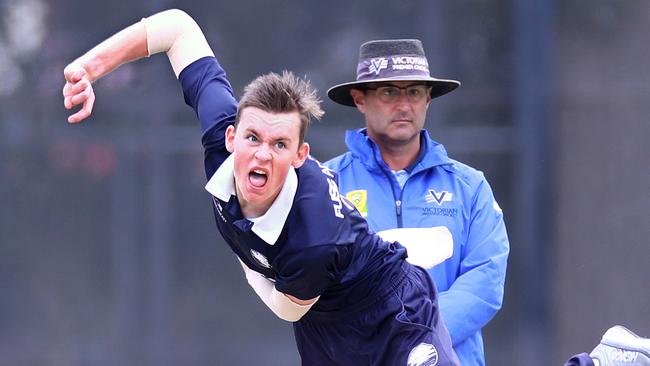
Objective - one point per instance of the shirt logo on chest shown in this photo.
(438, 197)
(260, 258)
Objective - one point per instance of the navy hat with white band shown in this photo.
(391, 60)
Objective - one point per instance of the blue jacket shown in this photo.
(438, 192)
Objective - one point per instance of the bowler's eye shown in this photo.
(251, 138)
(280, 145)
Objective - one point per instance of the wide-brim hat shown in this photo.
(391, 60)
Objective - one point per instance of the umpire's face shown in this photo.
(395, 112)
(264, 146)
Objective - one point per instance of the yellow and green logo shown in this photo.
(359, 199)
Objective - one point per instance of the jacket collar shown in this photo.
(361, 146)
(268, 226)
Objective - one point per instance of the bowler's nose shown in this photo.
(262, 153)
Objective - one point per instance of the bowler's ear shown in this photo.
(359, 97)
(303, 153)
(230, 138)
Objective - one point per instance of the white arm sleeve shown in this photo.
(177, 34)
(278, 302)
(426, 246)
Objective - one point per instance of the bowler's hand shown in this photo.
(78, 90)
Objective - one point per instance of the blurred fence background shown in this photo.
(108, 252)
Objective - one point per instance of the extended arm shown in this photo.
(170, 31)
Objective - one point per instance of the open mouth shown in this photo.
(257, 178)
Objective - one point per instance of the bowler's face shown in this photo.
(264, 145)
